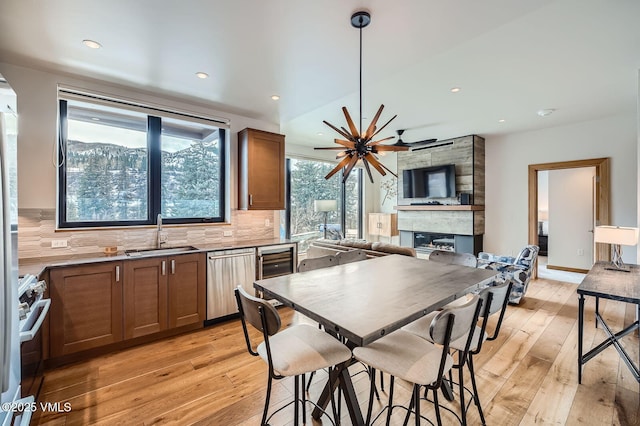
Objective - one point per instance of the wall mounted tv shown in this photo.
(429, 182)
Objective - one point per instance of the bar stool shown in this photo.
(416, 360)
(294, 351)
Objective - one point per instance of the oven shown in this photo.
(277, 260)
(33, 310)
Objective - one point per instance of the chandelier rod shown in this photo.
(361, 26)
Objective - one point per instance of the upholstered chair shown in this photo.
(518, 269)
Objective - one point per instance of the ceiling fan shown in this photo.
(416, 144)
(359, 145)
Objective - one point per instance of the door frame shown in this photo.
(601, 199)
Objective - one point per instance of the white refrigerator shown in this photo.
(9, 320)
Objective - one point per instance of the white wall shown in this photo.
(571, 218)
(508, 157)
(38, 122)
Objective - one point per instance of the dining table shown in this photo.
(363, 301)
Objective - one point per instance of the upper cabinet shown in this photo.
(260, 170)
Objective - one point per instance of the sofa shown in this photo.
(323, 247)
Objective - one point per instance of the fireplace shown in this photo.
(426, 242)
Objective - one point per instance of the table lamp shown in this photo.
(616, 236)
(325, 206)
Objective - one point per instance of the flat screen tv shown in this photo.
(429, 182)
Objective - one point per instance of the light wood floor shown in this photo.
(527, 376)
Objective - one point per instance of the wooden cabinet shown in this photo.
(383, 224)
(261, 170)
(163, 293)
(86, 307)
(145, 296)
(100, 304)
(187, 290)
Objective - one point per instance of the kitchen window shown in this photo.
(121, 165)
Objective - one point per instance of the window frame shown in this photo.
(154, 167)
(342, 202)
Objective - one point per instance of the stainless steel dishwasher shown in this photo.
(226, 269)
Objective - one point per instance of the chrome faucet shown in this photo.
(160, 237)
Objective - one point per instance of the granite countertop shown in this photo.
(39, 265)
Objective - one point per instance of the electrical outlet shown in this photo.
(227, 233)
(580, 252)
(267, 222)
(58, 243)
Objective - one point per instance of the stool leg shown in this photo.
(371, 393)
(475, 390)
(416, 397)
(435, 402)
(409, 410)
(296, 391)
(463, 410)
(390, 400)
(266, 402)
(309, 382)
(304, 402)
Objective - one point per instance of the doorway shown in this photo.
(601, 196)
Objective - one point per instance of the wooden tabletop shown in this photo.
(368, 299)
(616, 285)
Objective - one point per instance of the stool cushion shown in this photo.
(302, 349)
(404, 355)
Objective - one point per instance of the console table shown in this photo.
(613, 285)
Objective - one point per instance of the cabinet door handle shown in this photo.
(173, 266)
(164, 267)
(117, 274)
(250, 199)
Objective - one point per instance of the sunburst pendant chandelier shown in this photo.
(359, 145)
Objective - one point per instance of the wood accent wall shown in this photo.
(468, 155)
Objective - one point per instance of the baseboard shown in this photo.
(566, 269)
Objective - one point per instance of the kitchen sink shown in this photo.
(159, 251)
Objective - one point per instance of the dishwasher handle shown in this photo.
(227, 256)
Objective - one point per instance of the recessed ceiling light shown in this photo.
(202, 75)
(275, 97)
(502, 120)
(455, 89)
(92, 44)
(545, 112)
(319, 133)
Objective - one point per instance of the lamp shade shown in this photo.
(325, 205)
(543, 215)
(616, 235)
